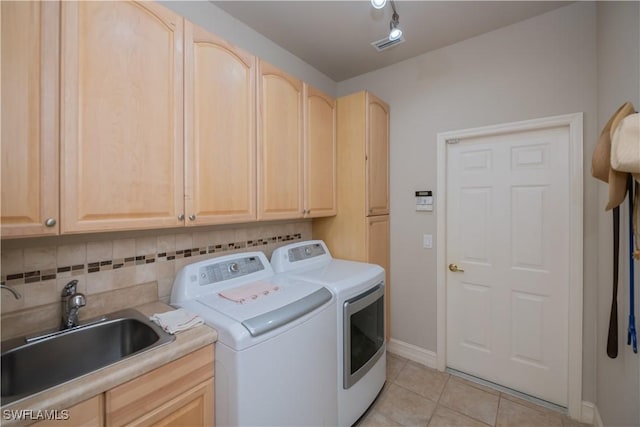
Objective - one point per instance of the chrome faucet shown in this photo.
(71, 304)
(15, 293)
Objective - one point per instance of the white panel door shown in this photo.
(507, 230)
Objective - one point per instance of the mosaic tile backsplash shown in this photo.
(39, 273)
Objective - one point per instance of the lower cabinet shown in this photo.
(179, 393)
(89, 413)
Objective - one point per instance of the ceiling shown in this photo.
(335, 36)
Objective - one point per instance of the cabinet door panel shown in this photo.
(378, 241)
(122, 139)
(279, 145)
(377, 156)
(320, 154)
(30, 58)
(220, 140)
(89, 413)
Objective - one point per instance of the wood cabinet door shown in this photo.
(193, 408)
(320, 154)
(378, 248)
(121, 115)
(89, 413)
(30, 124)
(220, 138)
(377, 155)
(280, 144)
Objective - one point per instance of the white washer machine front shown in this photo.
(274, 358)
(359, 289)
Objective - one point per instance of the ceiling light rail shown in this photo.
(395, 32)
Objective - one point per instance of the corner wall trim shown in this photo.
(590, 415)
(412, 352)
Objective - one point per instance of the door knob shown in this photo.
(455, 268)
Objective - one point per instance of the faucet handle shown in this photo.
(70, 288)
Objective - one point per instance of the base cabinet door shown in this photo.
(192, 408)
(378, 253)
(29, 148)
(178, 393)
(89, 413)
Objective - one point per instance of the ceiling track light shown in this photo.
(395, 32)
(378, 4)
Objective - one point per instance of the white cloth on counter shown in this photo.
(177, 320)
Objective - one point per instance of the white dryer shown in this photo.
(274, 358)
(359, 290)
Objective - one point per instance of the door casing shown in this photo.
(575, 169)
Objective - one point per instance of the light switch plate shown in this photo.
(427, 241)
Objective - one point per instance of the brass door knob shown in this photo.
(455, 268)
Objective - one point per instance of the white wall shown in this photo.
(618, 380)
(218, 22)
(544, 66)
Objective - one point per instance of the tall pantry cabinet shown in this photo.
(360, 230)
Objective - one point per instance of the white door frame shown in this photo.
(574, 122)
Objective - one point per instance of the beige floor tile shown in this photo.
(376, 419)
(425, 381)
(394, 366)
(531, 405)
(445, 417)
(404, 407)
(516, 415)
(470, 401)
(478, 386)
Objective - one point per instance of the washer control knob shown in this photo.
(307, 251)
(234, 267)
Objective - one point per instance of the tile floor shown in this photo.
(415, 395)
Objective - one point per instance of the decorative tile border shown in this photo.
(114, 264)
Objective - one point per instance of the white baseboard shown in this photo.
(590, 414)
(412, 352)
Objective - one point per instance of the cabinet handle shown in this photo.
(192, 217)
(181, 217)
(50, 222)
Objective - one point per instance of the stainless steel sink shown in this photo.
(33, 364)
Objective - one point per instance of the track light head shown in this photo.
(378, 4)
(394, 30)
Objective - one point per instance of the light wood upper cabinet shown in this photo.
(319, 154)
(280, 144)
(121, 116)
(377, 151)
(220, 138)
(30, 52)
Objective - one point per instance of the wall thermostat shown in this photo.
(424, 201)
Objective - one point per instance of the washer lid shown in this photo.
(290, 291)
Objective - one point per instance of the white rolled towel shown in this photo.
(177, 320)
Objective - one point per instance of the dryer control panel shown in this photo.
(226, 270)
(305, 252)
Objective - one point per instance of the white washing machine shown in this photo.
(359, 290)
(275, 355)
